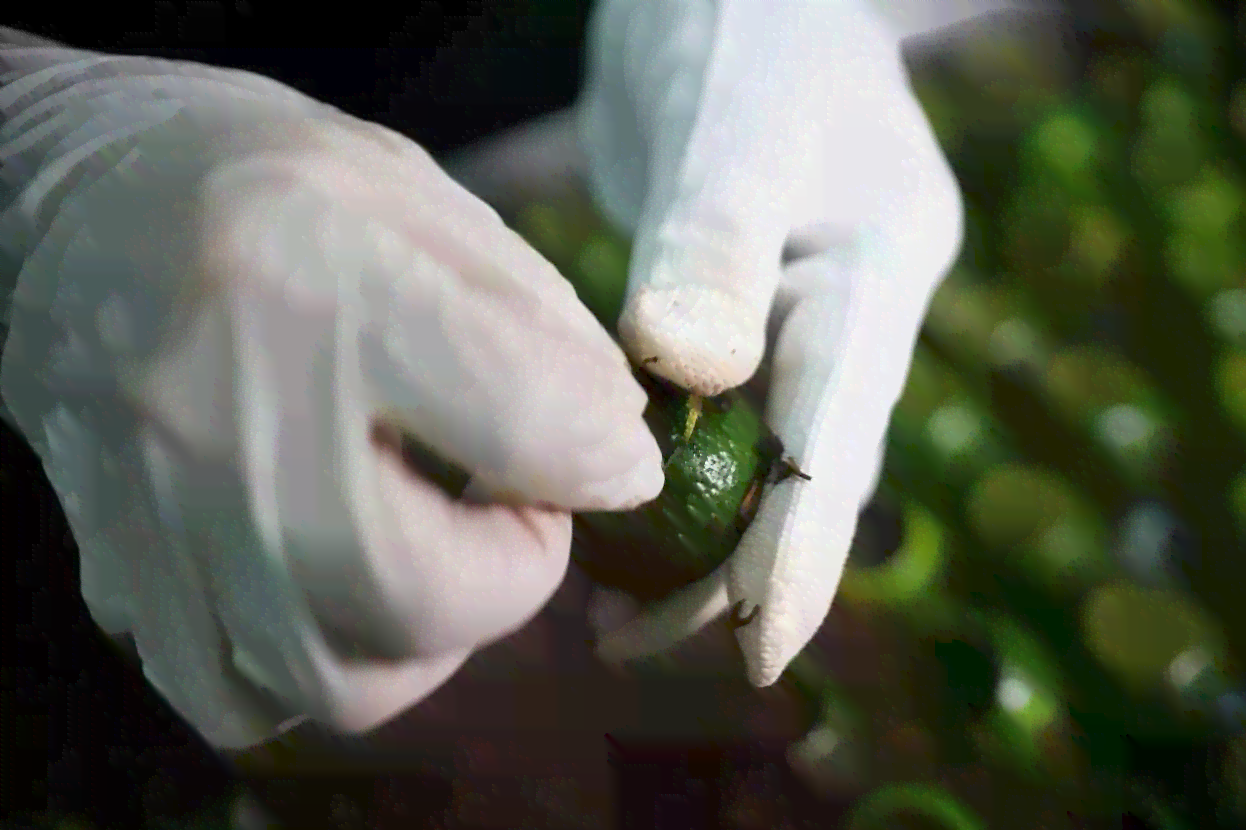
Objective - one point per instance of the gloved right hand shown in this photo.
(230, 299)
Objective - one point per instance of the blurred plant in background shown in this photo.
(1055, 551)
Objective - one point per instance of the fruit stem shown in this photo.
(694, 413)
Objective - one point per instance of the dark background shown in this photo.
(443, 73)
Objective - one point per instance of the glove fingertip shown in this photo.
(700, 338)
(642, 481)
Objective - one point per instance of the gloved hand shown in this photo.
(229, 299)
(787, 197)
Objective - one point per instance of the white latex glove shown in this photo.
(228, 297)
(787, 197)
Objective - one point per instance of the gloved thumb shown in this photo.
(729, 108)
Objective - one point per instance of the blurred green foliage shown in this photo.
(1074, 426)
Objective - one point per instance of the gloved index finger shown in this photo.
(735, 133)
(475, 345)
